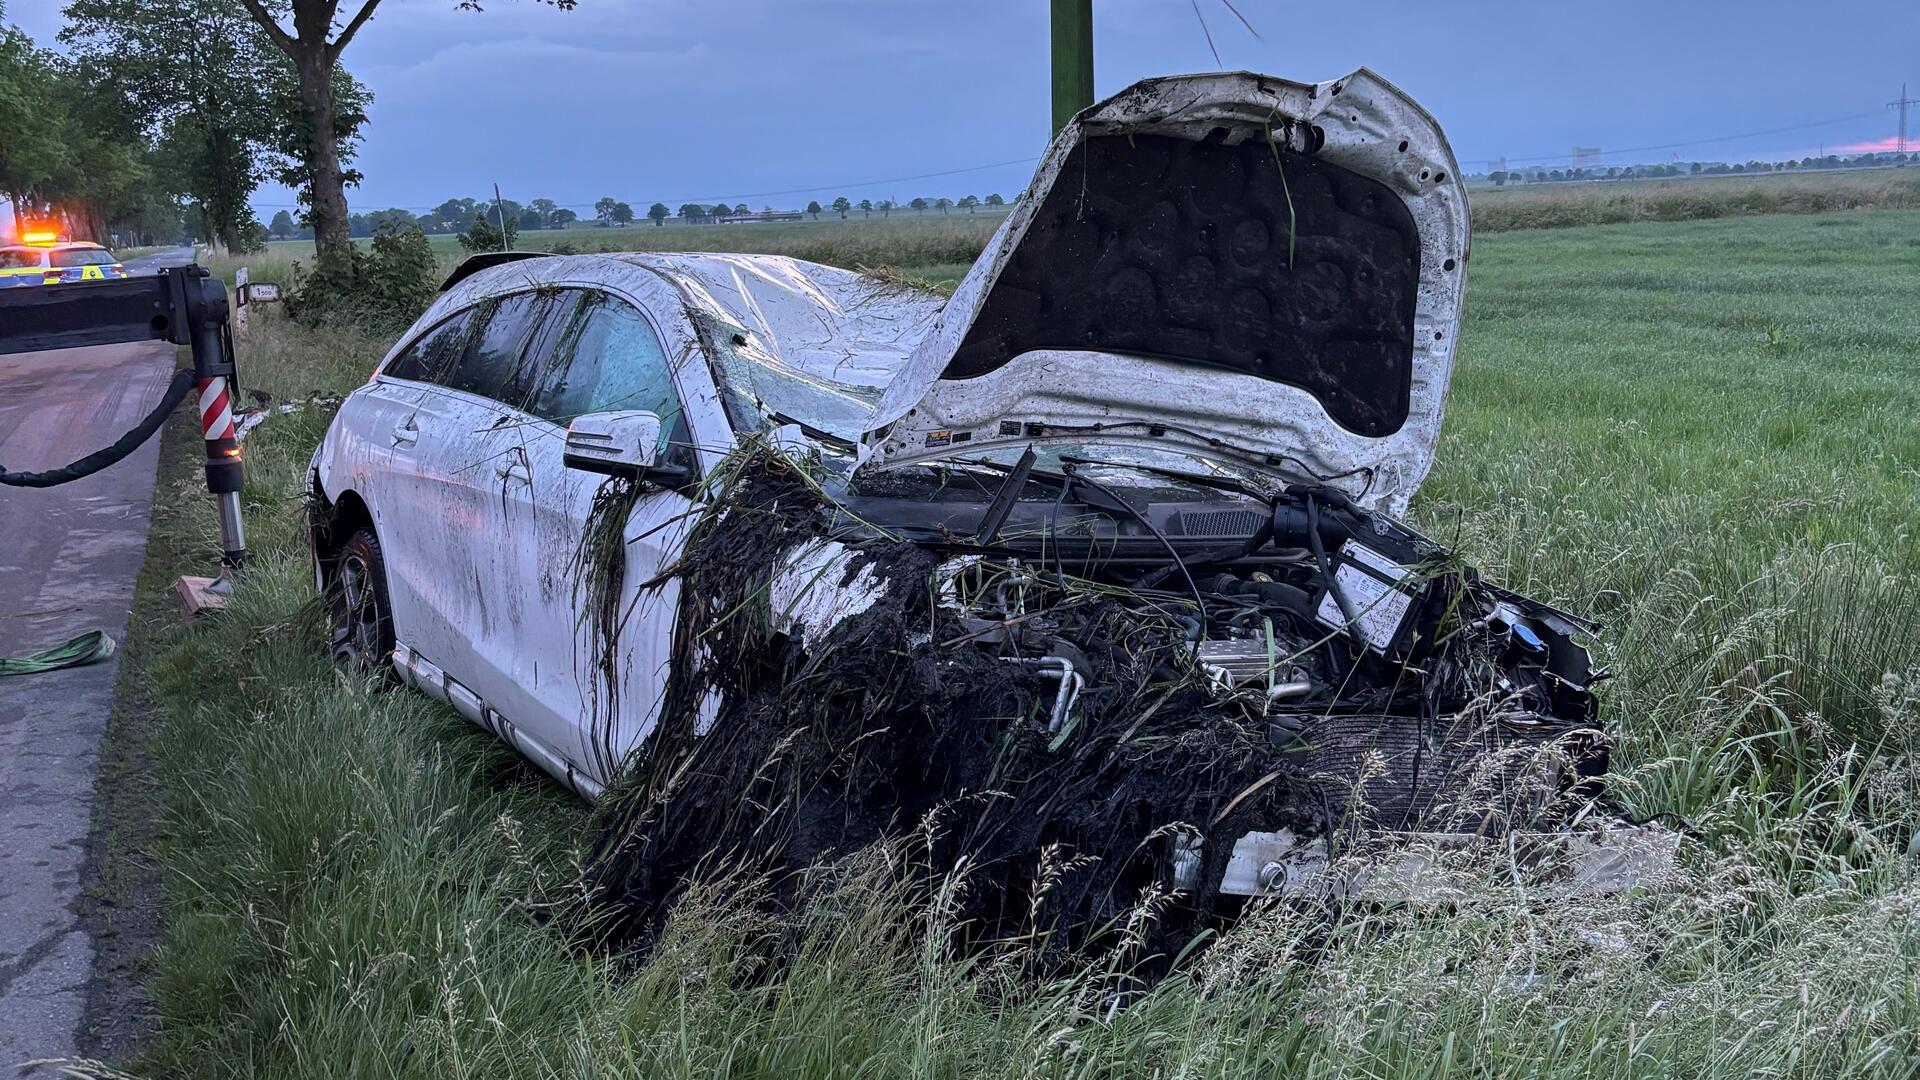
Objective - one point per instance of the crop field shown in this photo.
(1704, 433)
(1690, 198)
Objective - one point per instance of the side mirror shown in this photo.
(619, 444)
(259, 292)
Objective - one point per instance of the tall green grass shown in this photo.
(1703, 433)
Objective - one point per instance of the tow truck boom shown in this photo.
(182, 305)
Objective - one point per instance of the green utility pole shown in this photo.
(1072, 59)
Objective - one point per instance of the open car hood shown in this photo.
(1260, 272)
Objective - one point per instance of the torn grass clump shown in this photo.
(771, 757)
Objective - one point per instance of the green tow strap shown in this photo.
(90, 647)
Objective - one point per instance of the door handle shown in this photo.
(406, 433)
(514, 467)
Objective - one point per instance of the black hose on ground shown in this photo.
(127, 444)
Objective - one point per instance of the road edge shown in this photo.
(123, 904)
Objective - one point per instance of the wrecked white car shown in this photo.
(1092, 572)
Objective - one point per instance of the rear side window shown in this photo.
(19, 260)
(83, 257)
(432, 354)
(602, 355)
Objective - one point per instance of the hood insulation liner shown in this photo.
(1177, 249)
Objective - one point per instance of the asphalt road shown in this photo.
(68, 559)
(179, 256)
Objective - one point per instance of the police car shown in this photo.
(43, 260)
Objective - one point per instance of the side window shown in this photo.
(605, 356)
(494, 348)
(432, 354)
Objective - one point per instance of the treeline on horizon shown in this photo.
(484, 217)
(1586, 174)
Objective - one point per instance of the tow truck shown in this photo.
(183, 305)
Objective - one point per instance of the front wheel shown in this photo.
(360, 617)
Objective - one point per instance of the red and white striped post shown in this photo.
(213, 376)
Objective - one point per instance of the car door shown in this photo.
(395, 474)
(590, 690)
(465, 464)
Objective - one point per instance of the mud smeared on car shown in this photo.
(1049, 704)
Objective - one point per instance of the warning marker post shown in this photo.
(204, 303)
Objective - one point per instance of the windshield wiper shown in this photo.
(1003, 499)
(811, 432)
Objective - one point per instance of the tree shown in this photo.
(919, 205)
(841, 205)
(562, 218)
(212, 92)
(454, 215)
(942, 203)
(78, 147)
(719, 211)
(603, 209)
(34, 149)
(813, 208)
(314, 47)
(489, 232)
(659, 213)
(1499, 178)
(969, 202)
(622, 214)
(689, 211)
(531, 220)
(742, 209)
(996, 200)
(866, 207)
(886, 208)
(282, 227)
(545, 208)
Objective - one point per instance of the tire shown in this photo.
(359, 616)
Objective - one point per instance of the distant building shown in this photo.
(764, 215)
(1586, 156)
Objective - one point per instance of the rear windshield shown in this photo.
(83, 257)
(18, 259)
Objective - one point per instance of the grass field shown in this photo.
(1705, 433)
(1692, 198)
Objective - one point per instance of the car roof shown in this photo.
(827, 322)
(64, 245)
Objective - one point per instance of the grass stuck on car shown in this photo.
(1092, 577)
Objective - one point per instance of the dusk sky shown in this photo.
(692, 100)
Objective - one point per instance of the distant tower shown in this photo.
(1901, 105)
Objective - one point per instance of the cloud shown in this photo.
(1876, 146)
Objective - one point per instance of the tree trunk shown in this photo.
(332, 243)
